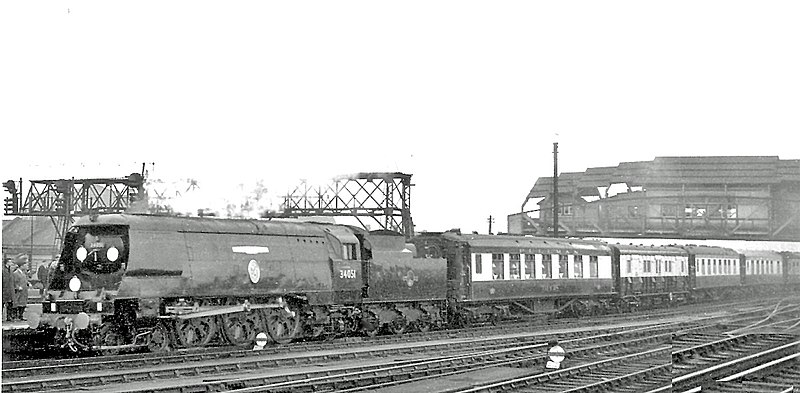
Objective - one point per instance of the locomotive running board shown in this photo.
(117, 347)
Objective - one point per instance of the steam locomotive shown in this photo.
(126, 281)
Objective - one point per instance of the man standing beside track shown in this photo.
(8, 289)
(43, 274)
(20, 289)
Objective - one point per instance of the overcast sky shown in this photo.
(466, 96)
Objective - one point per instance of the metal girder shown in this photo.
(64, 199)
(383, 197)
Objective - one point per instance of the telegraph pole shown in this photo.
(490, 220)
(555, 189)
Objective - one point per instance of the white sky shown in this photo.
(464, 95)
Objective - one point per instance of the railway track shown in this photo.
(26, 368)
(728, 359)
(780, 375)
(721, 363)
(392, 373)
(233, 369)
(92, 374)
(66, 365)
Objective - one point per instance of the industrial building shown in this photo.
(731, 197)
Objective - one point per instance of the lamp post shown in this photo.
(555, 189)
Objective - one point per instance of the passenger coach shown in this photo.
(493, 275)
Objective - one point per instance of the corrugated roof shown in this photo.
(729, 170)
(568, 183)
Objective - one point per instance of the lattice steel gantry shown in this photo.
(383, 197)
(63, 199)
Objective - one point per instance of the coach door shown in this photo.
(742, 268)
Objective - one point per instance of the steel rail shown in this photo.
(692, 380)
(392, 375)
(235, 364)
(553, 375)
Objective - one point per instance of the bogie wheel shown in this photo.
(282, 324)
(197, 332)
(239, 331)
(159, 340)
(370, 324)
(108, 336)
(398, 325)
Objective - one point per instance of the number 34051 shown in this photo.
(347, 273)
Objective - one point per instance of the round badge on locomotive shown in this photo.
(254, 271)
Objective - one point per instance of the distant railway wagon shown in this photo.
(792, 268)
(128, 281)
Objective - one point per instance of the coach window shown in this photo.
(529, 264)
(593, 270)
(478, 264)
(646, 266)
(562, 266)
(547, 266)
(628, 266)
(577, 266)
(513, 268)
(658, 266)
(497, 266)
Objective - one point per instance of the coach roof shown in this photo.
(711, 251)
(529, 242)
(649, 250)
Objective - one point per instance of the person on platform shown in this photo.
(51, 270)
(20, 289)
(8, 289)
(43, 274)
